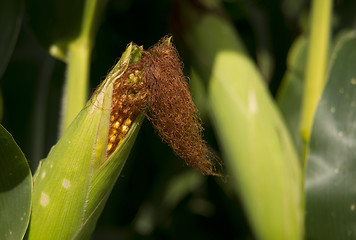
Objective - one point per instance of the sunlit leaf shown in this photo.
(256, 145)
(290, 93)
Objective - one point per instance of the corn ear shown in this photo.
(73, 183)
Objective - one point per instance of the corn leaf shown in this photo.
(289, 97)
(317, 59)
(330, 173)
(15, 189)
(256, 145)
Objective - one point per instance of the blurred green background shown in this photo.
(156, 196)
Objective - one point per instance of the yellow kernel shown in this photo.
(124, 129)
(116, 125)
(127, 122)
(113, 132)
(112, 118)
(112, 138)
(109, 147)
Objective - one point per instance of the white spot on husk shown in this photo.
(66, 183)
(252, 101)
(44, 199)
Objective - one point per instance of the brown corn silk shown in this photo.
(156, 86)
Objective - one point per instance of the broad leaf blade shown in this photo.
(290, 93)
(15, 188)
(331, 165)
(258, 149)
(256, 144)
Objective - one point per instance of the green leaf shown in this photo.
(290, 93)
(10, 23)
(331, 165)
(315, 73)
(15, 188)
(256, 145)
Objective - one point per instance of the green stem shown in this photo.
(316, 63)
(76, 86)
(92, 12)
(78, 60)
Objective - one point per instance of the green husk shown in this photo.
(74, 182)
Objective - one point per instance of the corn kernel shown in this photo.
(113, 132)
(112, 138)
(116, 125)
(124, 129)
(127, 122)
(109, 147)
